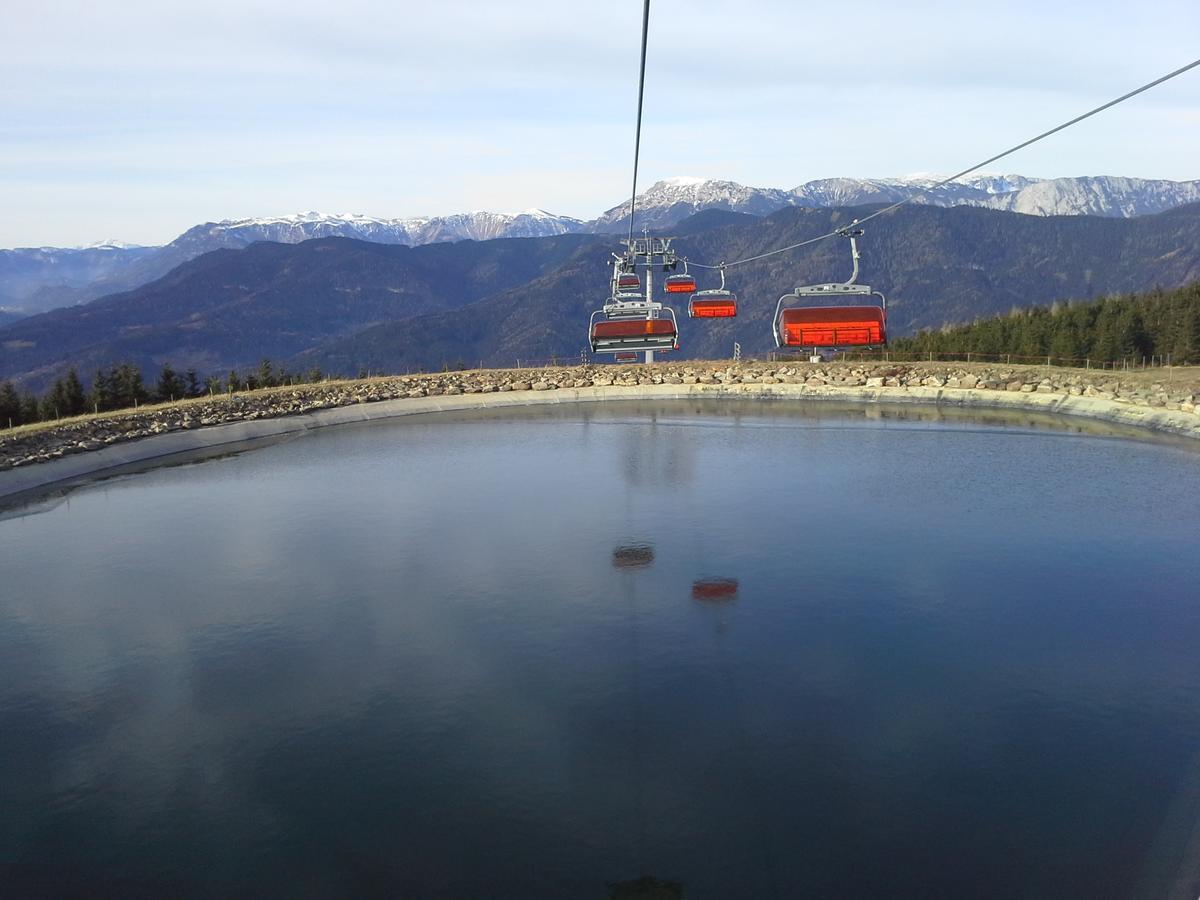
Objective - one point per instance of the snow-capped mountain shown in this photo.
(34, 280)
(1102, 196)
(477, 226)
(980, 190)
(673, 199)
(666, 202)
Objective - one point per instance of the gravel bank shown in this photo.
(1162, 400)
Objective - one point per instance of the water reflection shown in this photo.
(317, 669)
(633, 556)
(720, 590)
(652, 457)
(646, 888)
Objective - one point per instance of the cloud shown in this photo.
(303, 103)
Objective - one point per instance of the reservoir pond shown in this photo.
(731, 649)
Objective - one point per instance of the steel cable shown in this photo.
(927, 190)
(637, 142)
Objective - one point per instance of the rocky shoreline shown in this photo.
(1176, 390)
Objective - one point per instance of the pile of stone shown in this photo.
(1165, 389)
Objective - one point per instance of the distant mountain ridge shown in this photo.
(273, 300)
(936, 265)
(413, 231)
(34, 280)
(346, 305)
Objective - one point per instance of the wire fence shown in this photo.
(579, 359)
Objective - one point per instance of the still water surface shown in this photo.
(757, 651)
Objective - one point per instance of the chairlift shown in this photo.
(654, 329)
(682, 283)
(628, 281)
(805, 318)
(714, 303)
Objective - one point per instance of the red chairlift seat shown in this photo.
(833, 326)
(680, 284)
(628, 281)
(713, 305)
(623, 335)
(799, 324)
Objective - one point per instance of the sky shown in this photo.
(136, 120)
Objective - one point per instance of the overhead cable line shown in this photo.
(927, 190)
(637, 143)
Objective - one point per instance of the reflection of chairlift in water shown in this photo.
(646, 888)
(636, 556)
(633, 556)
(711, 590)
(715, 303)
(804, 318)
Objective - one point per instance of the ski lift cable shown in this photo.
(927, 190)
(637, 141)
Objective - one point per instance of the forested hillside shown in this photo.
(1156, 324)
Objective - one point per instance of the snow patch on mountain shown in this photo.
(412, 231)
(673, 199)
(1096, 196)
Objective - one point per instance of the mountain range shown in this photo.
(34, 280)
(346, 304)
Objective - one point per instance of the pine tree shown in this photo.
(266, 377)
(128, 389)
(1065, 345)
(10, 406)
(100, 398)
(191, 387)
(169, 387)
(29, 409)
(53, 404)
(75, 403)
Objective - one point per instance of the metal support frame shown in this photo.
(647, 252)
